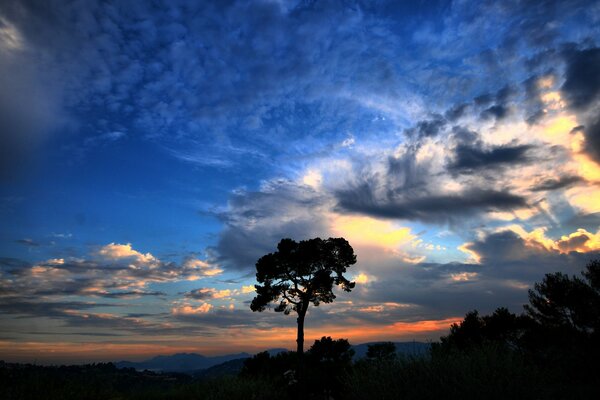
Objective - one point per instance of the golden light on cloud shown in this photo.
(191, 310)
(362, 278)
(463, 276)
(115, 251)
(378, 308)
(248, 289)
(580, 241)
(413, 259)
(203, 269)
(553, 100)
(370, 231)
(372, 309)
(221, 294)
(545, 82)
(536, 237)
(586, 199)
(557, 130)
(474, 257)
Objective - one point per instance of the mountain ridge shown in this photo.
(194, 363)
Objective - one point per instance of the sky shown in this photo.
(151, 152)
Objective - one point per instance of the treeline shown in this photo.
(550, 351)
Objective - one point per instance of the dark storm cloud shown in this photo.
(429, 127)
(436, 208)
(582, 89)
(592, 138)
(582, 81)
(25, 306)
(501, 108)
(237, 318)
(408, 189)
(472, 157)
(201, 294)
(130, 294)
(564, 181)
(496, 111)
(456, 111)
(75, 314)
(483, 99)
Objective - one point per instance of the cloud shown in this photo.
(117, 271)
(138, 69)
(115, 251)
(470, 157)
(190, 310)
(582, 89)
(429, 208)
(430, 127)
(495, 111)
(211, 293)
(562, 182)
(28, 242)
(516, 244)
(582, 83)
(201, 294)
(255, 221)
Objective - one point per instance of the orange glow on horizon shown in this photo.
(228, 341)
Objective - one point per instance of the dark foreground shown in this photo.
(486, 372)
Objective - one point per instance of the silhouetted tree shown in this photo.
(301, 273)
(328, 360)
(264, 365)
(501, 328)
(334, 351)
(385, 351)
(568, 303)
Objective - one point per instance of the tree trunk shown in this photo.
(300, 337)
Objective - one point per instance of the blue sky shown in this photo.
(151, 152)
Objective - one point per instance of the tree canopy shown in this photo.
(301, 273)
(571, 303)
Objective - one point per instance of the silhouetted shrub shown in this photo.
(381, 352)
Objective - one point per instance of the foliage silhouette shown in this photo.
(301, 273)
(327, 350)
(381, 352)
(502, 328)
(566, 322)
(568, 304)
(272, 367)
(327, 361)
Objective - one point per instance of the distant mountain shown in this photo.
(405, 348)
(277, 350)
(181, 362)
(230, 364)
